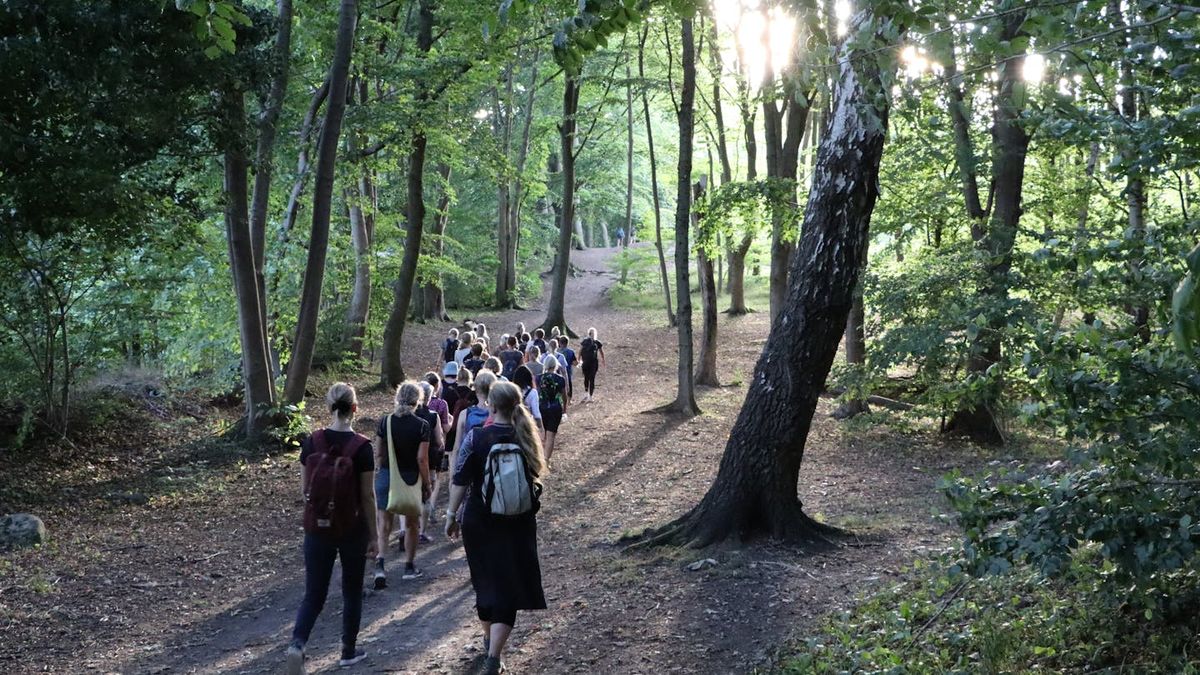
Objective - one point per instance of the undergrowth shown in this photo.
(942, 621)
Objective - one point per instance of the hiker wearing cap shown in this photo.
(552, 395)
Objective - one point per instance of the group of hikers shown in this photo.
(490, 421)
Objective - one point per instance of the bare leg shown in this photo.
(549, 444)
(410, 542)
(499, 633)
(383, 523)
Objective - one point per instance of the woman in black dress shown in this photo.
(501, 550)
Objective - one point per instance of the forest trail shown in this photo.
(213, 587)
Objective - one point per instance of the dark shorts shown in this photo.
(552, 418)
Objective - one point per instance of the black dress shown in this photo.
(501, 551)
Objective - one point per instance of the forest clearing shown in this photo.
(617, 336)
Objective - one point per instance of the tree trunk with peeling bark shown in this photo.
(755, 488)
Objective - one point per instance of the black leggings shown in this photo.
(589, 376)
(319, 556)
(501, 615)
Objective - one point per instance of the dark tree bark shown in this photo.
(685, 398)
(392, 371)
(784, 128)
(658, 242)
(318, 243)
(706, 363)
(755, 488)
(502, 121)
(1010, 143)
(555, 312)
(964, 153)
(259, 387)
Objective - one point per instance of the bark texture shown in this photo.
(685, 397)
(706, 362)
(755, 488)
(555, 309)
(658, 241)
(318, 243)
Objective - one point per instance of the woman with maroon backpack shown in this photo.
(335, 460)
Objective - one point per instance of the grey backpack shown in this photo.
(508, 487)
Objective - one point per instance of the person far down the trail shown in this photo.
(498, 474)
(335, 528)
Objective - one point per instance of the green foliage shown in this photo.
(1129, 491)
(742, 208)
(940, 621)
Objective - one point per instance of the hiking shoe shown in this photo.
(351, 657)
(492, 665)
(380, 575)
(411, 572)
(295, 659)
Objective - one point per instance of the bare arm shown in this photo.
(423, 461)
(439, 436)
(366, 490)
(602, 361)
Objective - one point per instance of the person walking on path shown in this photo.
(569, 359)
(438, 461)
(591, 357)
(501, 550)
(523, 378)
(403, 438)
(334, 529)
(552, 393)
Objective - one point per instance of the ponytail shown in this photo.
(506, 399)
(408, 397)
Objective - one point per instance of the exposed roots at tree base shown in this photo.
(694, 530)
(738, 311)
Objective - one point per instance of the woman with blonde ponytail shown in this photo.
(501, 551)
(408, 435)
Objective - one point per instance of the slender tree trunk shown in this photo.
(555, 312)
(685, 399)
(502, 120)
(855, 340)
(518, 190)
(706, 363)
(1010, 143)
(259, 388)
(265, 154)
(1135, 185)
(362, 233)
(606, 241)
(658, 241)
(964, 153)
(318, 244)
(579, 243)
(433, 304)
(755, 488)
(392, 371)
(628, 153)
(784, 128)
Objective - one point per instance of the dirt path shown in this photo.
(207, 602)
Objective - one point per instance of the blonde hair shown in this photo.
(341, 399)
(408, 397)
(505, 399)
(454, 333)
(554, 331)
(468, 338)
(592, 333)
(550, 363)
(483, 384)
(465, 376)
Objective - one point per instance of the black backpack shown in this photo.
(588, 350)
(449, 348)
(550, 390)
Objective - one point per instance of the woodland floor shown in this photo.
(206, 576)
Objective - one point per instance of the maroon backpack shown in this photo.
(332, 505)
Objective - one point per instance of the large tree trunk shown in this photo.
(685, 398)
(259, 388)
(555, 313)
(392, 371)
(755, 488)
(658, 241)
(502, 121)
(318, 243)
(706, 363)
(1010, 143)
(580, 245)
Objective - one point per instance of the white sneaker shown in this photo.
(295, 660)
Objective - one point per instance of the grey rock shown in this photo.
(21, 530)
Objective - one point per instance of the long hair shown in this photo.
(484, 382)
(505, 399)
(408, 397)
(523, 378)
